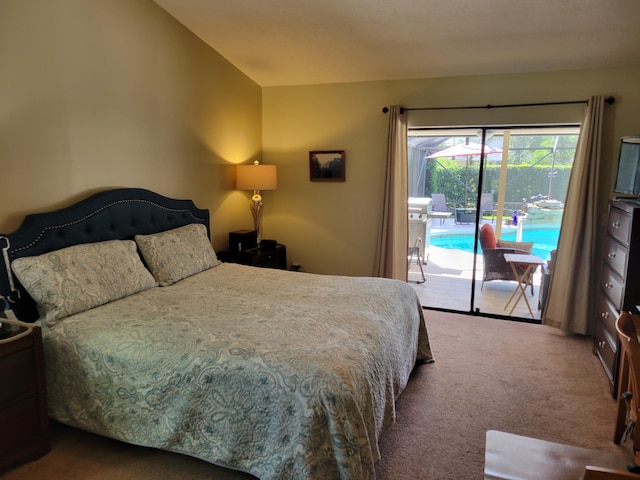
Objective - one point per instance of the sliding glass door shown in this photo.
(514, 181)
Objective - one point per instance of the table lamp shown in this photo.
(256, 177)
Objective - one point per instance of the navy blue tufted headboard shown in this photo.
(110, 215)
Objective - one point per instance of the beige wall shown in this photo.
(112, 93)
(332, 227)
(101, 94)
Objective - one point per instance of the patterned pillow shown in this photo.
(75, 279)
(176, 254)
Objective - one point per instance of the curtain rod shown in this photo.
(609, 100)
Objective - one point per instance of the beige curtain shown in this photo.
(394, 237)
(571, 306)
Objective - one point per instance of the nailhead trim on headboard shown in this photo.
(113, 214)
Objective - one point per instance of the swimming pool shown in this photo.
(544, 240)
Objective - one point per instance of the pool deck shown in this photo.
(449, 274)
(509, 232)
(451, 228)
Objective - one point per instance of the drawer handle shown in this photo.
(608, 285)
(611, 255)
(601, 344)
(615, 224)
(604, 315)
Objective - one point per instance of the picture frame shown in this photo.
(327, 166)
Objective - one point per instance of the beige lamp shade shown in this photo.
(256, 177)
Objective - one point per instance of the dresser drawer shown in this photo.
(615, 255)
(608, 314)
(619, 226)
(612, 285)
(606, 347)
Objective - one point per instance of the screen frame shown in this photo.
(628, 165)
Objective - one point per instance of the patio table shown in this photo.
(440, 215)
(532, 262)
(465, 215)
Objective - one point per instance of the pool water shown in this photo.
(544, 240)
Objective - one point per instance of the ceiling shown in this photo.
(301, 42)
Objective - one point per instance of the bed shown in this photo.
(150, 340)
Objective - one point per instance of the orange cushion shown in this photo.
(487, 237)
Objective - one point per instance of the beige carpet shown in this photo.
(489, 375)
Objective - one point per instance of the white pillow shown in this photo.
(74, 279)
(176, 254)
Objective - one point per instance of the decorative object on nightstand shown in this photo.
(261, 256)
(24, 422)
(243, 240)
(256, 177)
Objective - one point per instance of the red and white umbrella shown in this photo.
(467, 150)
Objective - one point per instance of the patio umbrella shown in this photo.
(461, 149)
(465, 149)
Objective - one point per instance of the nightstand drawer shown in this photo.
(275, 257)
(270, 261)
(21, 427)
(19, 371)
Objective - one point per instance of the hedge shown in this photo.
(523, 182)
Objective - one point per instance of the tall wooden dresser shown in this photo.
(619, 281)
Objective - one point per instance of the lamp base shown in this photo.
(255, 204)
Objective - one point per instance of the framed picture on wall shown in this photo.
(326, 165)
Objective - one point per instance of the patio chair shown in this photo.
(493, 250)
(487, 205)
(439, 204)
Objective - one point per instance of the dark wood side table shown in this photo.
(24, 422)
(275, 257)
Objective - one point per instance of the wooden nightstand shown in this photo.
(275, 257)
(24, 423)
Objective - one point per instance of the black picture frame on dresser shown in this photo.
(619, 282)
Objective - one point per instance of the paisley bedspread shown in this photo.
(281, 374)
